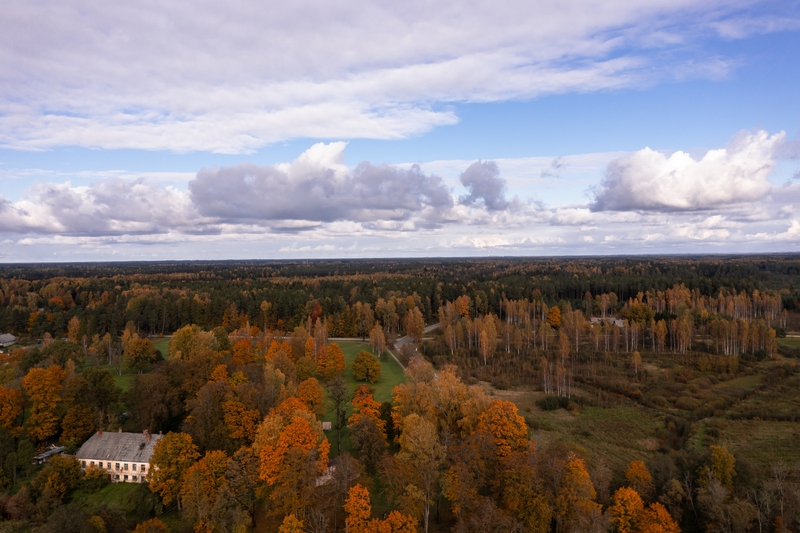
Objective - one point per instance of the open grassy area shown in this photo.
(113, 494)
(162, 345)
(391, 375)
(791, 342)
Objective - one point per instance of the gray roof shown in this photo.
(7, 337)
(114, 446)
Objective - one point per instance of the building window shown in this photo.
(108, 465)
(144, 468)
(83, 464)
(91, 463)
(126, 478)
(116, 477)
(134, 478)
(125, 467)
(117, 467)
(134, 467)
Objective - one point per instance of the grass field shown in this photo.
(391, 375)
(162, 345)
(791, 342)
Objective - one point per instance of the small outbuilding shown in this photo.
(45, 456)
(124, 456)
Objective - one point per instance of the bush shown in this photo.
(94, 479)
(687, 403)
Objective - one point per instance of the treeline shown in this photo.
(162, 297)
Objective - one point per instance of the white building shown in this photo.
(124, 456)
(7, 339)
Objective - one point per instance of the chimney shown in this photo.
(119, 430)
(159, 433)
(148, 436)
(100, 432)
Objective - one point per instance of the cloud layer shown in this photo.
(231, 78)
(317, 206)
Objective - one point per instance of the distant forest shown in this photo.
(159, 298)
(558, 395)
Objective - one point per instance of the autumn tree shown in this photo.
(366, 367)
(139, 354)
(524, 494)
(636, 362)
(414, 324)
(243, 352)
(310, 393)
(626, 511)
(201, 486)
(241, 421)
(12, 404)
(43, 387)
(172, 456)
(359, 519)
(421, 455)
(639, 479)
(367, 428)
(60, 475)
(293, 453)
(377, 339)
(339, 394)
(502, 421)
(154, 525)
(291, 524)
(243, 482)
(330, 362)
(574, 503)
(554, 317)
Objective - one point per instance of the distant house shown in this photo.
(45, 456)
(7, 339)
(124, 456)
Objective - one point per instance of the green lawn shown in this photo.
(162, 345)
(391, 375)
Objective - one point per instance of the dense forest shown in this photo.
(636, 394)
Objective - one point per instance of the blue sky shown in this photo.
(193, 131)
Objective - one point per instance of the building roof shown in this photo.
(114, 446)
(7, 337)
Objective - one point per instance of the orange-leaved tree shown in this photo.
(172, 456)
(310, 393)
(359, 515)
(201, 487)
(574, 504)
(368, 429)
(12, 404)
(43, 386)
(243, 352)
(502, 421)
(626, 511)
(241, 421)
(640, 480)
(656, 519)
(293, 453)
(333, 364)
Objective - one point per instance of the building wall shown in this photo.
(120, 471)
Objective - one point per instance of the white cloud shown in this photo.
(233, 77)
(649, 180)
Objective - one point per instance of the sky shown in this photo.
(149, 130)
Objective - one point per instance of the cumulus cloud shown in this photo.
(484, 183)
(649, 180)
(318, 187)
(111, 207)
